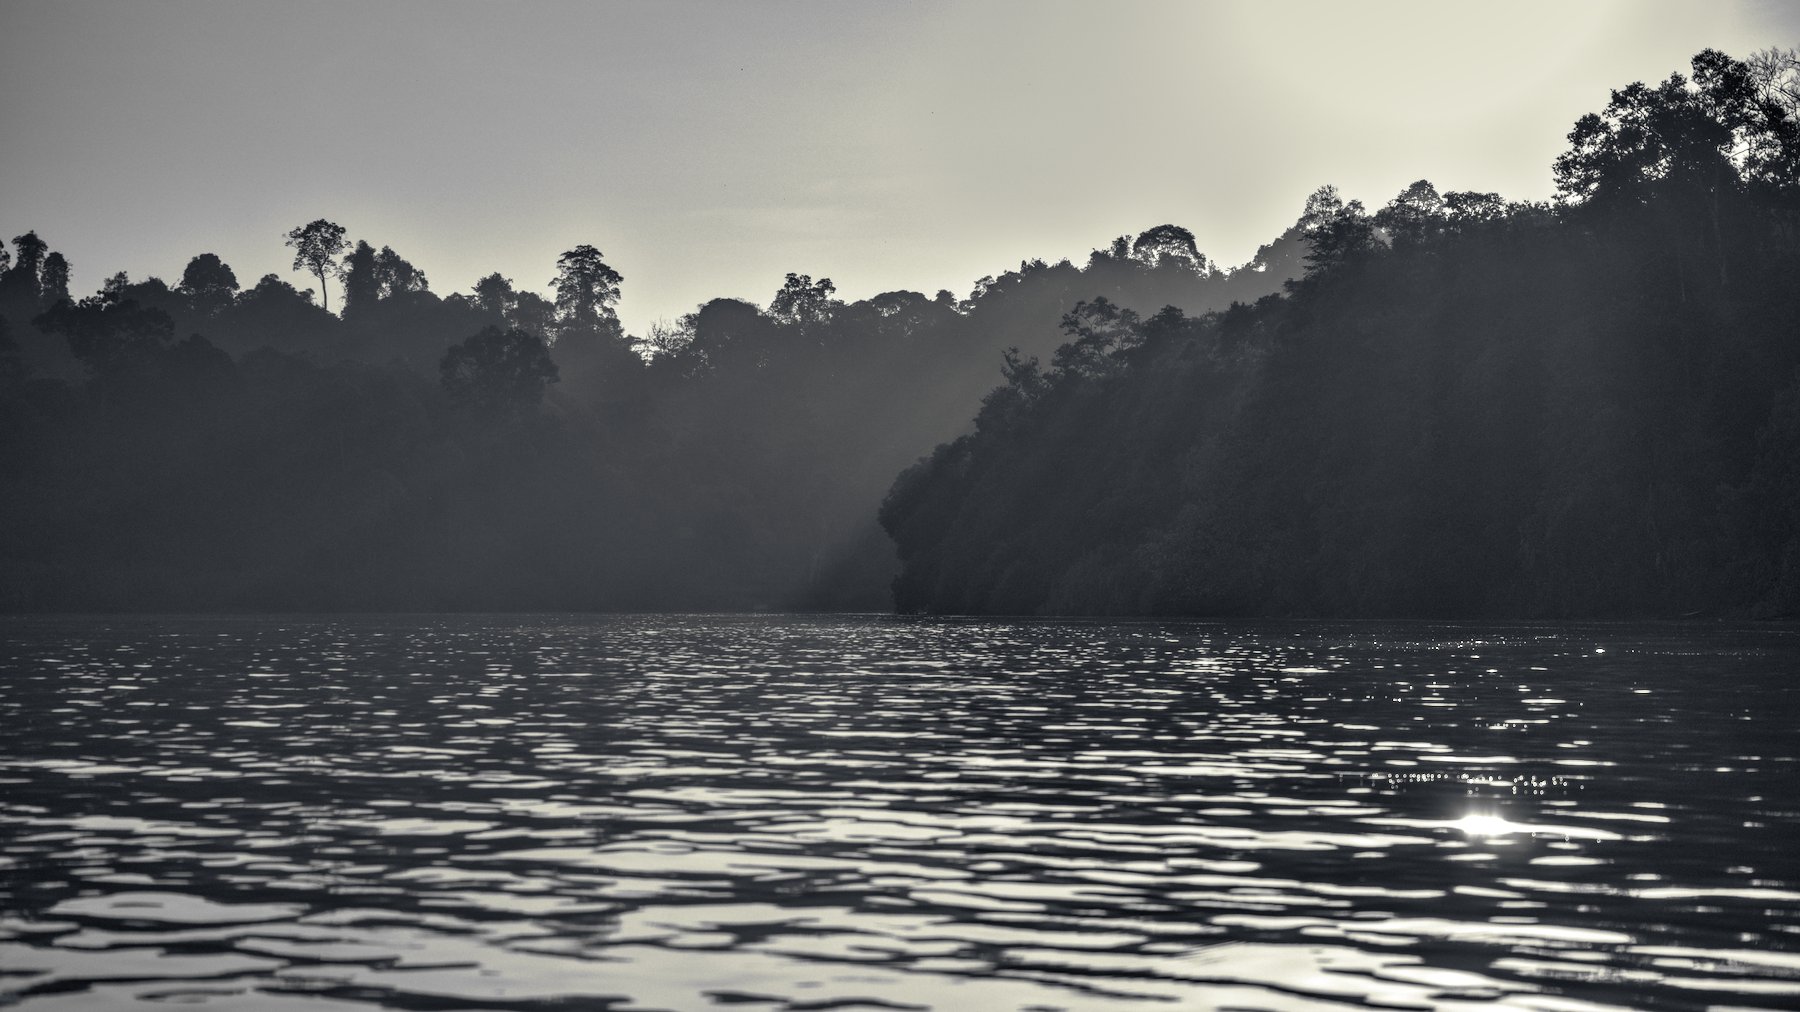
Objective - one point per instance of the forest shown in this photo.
(1454, 405)
(210, 445)
(1462, 407)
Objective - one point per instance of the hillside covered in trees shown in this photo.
(1454, 405)
(1464, 407)
(214, 445)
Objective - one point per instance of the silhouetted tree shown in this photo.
(1412, 216)
(586, 289)
(21, 287)
(1693, 153)
(1467, 208)
(1170, 244)
(395, 276)
(317, 246)
(209, 283)
(1644, 137)
(30, 258)
(730, 335)
(1334, 230)
(54, 281)
(494, 295)
(802, 301)
(1771, 120)
(362, 287)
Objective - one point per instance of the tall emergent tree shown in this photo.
(1335, 230)
(361, 287)
(21, 283)
(586, 289)
(54, 278)
(1170, 244)
(803, 301)
(317, 246)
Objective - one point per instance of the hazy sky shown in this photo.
(709, 148)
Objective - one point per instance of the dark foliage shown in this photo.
(498, 372)
(495, 450)
(1463, 408)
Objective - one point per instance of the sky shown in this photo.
(708, 149)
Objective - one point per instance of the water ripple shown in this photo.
(686, 812)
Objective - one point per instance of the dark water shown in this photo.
(796, 813)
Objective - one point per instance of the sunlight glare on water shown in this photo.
(1478, 824)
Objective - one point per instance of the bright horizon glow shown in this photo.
(708, 149)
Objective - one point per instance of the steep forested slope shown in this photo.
(1465, 407)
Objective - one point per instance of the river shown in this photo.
(774, 812)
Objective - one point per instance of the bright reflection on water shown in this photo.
(877, 813)
(1479, 824)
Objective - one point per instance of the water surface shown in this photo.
(879, 813)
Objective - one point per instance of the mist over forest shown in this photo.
(1450, 405)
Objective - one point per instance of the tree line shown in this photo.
(1462, 406)
(206, 445)
(1452, 405)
